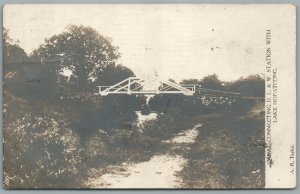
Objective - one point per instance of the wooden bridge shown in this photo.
(134, 85)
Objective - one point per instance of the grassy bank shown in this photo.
(228, 153)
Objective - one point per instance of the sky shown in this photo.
(171, 41)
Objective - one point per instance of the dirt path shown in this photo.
(159, 172)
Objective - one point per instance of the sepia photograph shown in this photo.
(153, 96)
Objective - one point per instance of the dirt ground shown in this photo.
(159, 172)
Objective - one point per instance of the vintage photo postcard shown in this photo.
(156, 96)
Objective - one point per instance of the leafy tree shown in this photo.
(251, 86)
(12, 52)
(211, 82)
(190, 81)
(80, 49)
(113, 74)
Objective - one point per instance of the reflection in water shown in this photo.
(141, 118)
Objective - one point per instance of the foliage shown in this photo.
(211, 82)
(113, 74)
(80, 49)
(229, 153)
(40, 151)
(252, 86)
(12, 52)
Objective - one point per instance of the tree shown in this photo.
(190, 81)
(12, 52)
(251, 86)
(113, 74)
(80, 49)
(211, 82)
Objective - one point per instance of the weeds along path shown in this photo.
(159, 172)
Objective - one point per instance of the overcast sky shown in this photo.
(187, 41)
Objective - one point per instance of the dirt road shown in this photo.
(159, 172)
